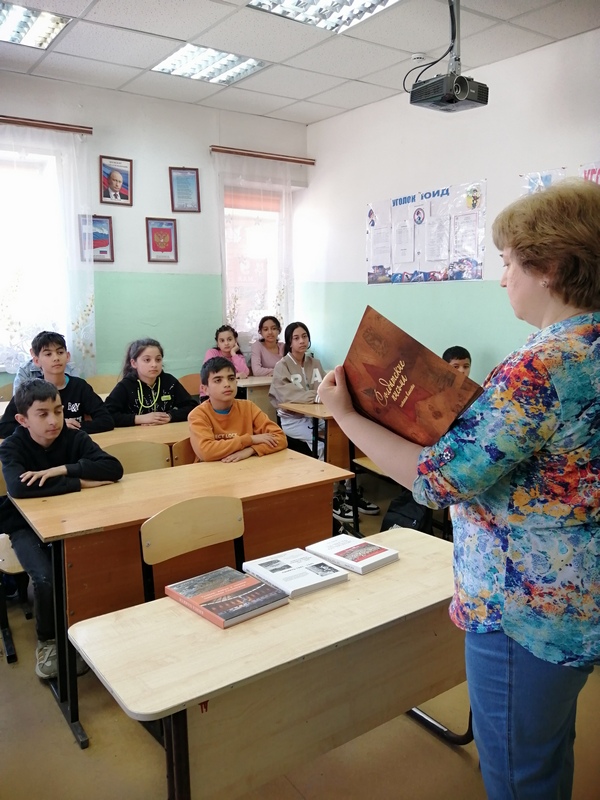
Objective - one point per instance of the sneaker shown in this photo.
(46, 660)
(364, 506)
(341, 510)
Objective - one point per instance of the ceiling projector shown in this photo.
(451, 92)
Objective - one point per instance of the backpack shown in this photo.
(405, 512)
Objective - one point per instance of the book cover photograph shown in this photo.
(399, 383)
(295, 571)
(226, 596)
(357, 555)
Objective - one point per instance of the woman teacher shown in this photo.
(522, 469)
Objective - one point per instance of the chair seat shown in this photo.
(9, 563)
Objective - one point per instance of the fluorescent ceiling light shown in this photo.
(28, 27)
(205, 64)
(332, 15)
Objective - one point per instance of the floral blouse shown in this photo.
(523, 465)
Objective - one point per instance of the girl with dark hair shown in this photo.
(146, 395)
(267, 351)
(227, 347)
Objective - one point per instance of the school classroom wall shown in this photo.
(543, 113)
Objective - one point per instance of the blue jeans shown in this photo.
(523, 718)
(36, 560)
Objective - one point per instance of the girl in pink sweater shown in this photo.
(227, 347)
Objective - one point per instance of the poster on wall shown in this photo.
(536, 181)
(436, 235)
(591, 171)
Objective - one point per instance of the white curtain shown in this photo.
(255, 202)
(46, 282)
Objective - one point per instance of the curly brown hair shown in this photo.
(556, 233)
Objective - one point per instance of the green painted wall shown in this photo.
(181, 311)
(476, 315)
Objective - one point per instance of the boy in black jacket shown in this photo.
(45, 457)
(82, 406)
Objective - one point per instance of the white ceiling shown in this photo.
(312, 74)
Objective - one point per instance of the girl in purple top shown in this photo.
(267, 351)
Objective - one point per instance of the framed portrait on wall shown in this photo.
(185, 189)
(161, 239)
(116, 181)
(96, 235)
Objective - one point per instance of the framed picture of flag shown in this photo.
(96, 236)
(161, 239)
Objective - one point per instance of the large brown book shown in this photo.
(399, 383)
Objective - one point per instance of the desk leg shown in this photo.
(177, 755)
(315, 443)
(440, 730)
(64, 686)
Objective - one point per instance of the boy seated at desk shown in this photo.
(82, 406)
(45, 457)
(226, 429)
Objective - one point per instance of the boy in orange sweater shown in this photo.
(226, 429)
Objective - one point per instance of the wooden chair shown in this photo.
(190, 525)
(140, 456)
(191, 383)
(6, 391)
(102, 384)
(10, 565)
(183, 453)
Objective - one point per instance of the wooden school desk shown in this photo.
(287, 500)
(166, 434)
(336, 442)
(257, 390)
(246, 704)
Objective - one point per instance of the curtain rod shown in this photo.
(49, 126)
(234, 151)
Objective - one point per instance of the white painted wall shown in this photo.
(543, 113)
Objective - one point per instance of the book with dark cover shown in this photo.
(399, 383)
(226, 596)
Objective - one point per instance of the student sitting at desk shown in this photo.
(45, 457)
(459, 358)
(31, 370)
(268, 350)
(146, 395)
(227, 347)
(82, 406)
(296, 379)
(226, 429)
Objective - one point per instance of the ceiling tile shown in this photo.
(82, 70)
(567, 18)
(115, 45)
(354, 94)
(262, 35)
(171, 87)
(415, 26)
(505, 9)
(233, 99)
(69, 8)
(17, 58)
(305, 113)
(392, 76)
(347, 58)
(500, 42)
(179, 19)
(289, 82)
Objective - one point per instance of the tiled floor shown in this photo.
(399, 760)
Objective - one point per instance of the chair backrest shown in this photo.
(190, 525)
(140, 456)
(9, 562)
(6, 391)
(102, 384)
(183, 453)
(191, 383)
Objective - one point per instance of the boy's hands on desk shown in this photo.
(154, 418)
(334, 394)
(92, 484)
(42, 475)
(264, 438)
(73, 423)
(239, 456)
